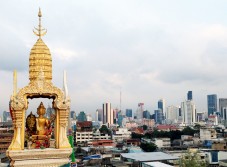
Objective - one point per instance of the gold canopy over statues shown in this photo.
(36, 131)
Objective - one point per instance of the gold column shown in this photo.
(63, 122)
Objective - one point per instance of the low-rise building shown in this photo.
(84, 131)
(101, 143)
(121, 134)
(6, 135)
(97, 135)
(162, 142)
(140, 158)
(148, 122)
(219, 145)
(166, 128)
(134, 142)
(207, 134)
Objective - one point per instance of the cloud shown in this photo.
(148, 49)
(64, 54)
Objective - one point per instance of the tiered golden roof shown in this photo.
(40, 58)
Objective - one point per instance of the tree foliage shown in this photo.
(104, 130)
(136, 135)
(145, 127)
(192, 160)
(176, 134)
(148, 147)
(189, 131)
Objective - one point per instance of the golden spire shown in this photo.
(40, 31)
(40, 61)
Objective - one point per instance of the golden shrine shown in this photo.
(33, 132)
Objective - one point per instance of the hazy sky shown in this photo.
(148, 49)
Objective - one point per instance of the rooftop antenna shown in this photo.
(120, 99)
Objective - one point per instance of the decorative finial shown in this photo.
(40, 31)
(14, 82)
(65, 88)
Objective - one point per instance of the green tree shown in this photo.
(136, 136)
(148, 147)
(189, 131)
(192, 159)
(197, 126)
(145, 127)
(104, 130)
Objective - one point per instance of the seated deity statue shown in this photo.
(31, 124)
(42, 123)
(38, 129)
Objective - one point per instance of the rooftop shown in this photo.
(157, 164)
(149, 156)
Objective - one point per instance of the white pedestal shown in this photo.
(49, 157)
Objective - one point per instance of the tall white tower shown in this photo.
(139, 111)
(188, 112)
(107, 114)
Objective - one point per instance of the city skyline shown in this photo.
(147, 50)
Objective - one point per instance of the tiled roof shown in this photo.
(84, 124)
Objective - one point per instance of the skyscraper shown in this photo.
(161, 106)
(115, 114)
(120, 118)
(224, 113)
(172, 113)
(49, 111)
(146, 114)
(72, 114)
(222, 105)
(82, 117)
(108, 116)
(158, 116)
(129, 113)
(6, 116)
(188, 112)
(189, 95)
(211, 104)
(224, 116)
(139, 111)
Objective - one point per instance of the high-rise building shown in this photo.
(115, 115)
(49, 111)
(172, 113)
(224, 116)
(211, 104)
(120, 118)
(189, 95)
(146, 114)
(188, 112)
(82, 117)
(107, 114)
(72, 114)
(89, 117)
(200, 116)
(161, 106)
(6, 116)
(158, 116)
(100, 114)
(129, 113)
(222, 105)
(139, 111)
